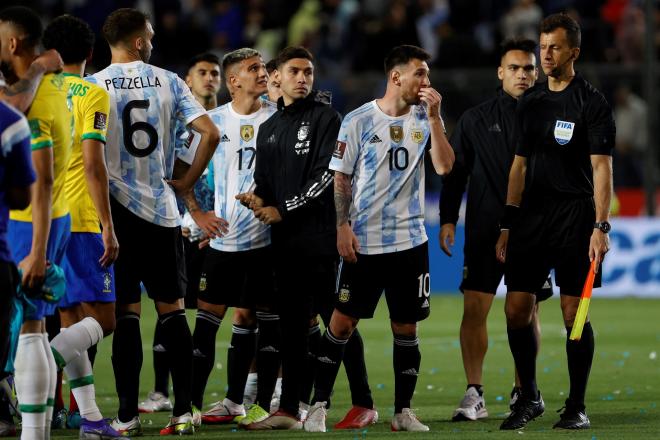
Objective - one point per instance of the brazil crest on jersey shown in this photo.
(145, 103)
(385, 156)
(233, 173)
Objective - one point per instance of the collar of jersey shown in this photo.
(392, 118)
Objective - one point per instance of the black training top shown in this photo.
(483, 141)
(294, 147)
(558, 132)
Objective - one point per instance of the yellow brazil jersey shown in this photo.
(91, 106)
(51, 126)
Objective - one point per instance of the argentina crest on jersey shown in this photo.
(563, 131)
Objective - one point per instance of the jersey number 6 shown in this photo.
(132, 127)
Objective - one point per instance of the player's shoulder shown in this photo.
(365, 111)
(591, 95)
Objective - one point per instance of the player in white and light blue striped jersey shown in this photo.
(146, 102)
(233, 173)
(385, 156)
(379, 201)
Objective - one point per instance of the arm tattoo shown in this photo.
(190, 201)
(343, 197)
(25, 87)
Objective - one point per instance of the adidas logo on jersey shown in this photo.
(426, 304)
(410, 372)
(495, 127)
(375, 139)
(225, 138)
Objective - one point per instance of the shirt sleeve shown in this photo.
(187, 107)
(347, 148)
(95, 124)
(19, 172)
(601, 130)
(40, 120)
(186, 142)
(453, 185)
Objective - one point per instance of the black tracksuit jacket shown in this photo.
(294, 147)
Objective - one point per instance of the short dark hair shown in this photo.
(207, 57)
(238, 55)
(27, 20)
(291, 52)
(122, 24)
(71, 37)
(522, 44)
(403, 54)
(563, 21)
(271, 65)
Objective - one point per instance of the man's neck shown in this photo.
(392, 104)
(75, 69)
(120, 55)
(560, 82)
(208, 102)
(246, 105)
(21, 64)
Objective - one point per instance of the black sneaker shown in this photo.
(524, 411)
(573, 417)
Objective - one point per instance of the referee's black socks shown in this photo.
(178, 344)
(331, 353)
(268, 356)
(239, 357)
(406, 359)
(524, 346)
(580, 355)
(203, 358)
(127, 363)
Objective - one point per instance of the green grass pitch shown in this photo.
(622, 397)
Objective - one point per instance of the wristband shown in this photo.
(511, 213)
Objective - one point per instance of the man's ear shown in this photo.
(500, 73)
(395, 77)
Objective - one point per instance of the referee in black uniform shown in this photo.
(484, 147)
(565, 135)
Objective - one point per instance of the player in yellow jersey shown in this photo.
(39, 233)
(88, 309)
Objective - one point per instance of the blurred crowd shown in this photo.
(354, 36)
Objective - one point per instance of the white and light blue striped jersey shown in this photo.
(233, 173)
(385, 156)
(145, 103)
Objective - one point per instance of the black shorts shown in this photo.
(238, 279)
(555, 235)
(481, 270)
(149, 254)
(404, 276)
(194, 257)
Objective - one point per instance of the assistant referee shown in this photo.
(563, 162)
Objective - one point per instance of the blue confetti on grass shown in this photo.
(380, 386)
(499, 398)
(626, 354)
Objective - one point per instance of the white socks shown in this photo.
(250, 393)
(52, 383)
(32, 384)
(70, 344)
(81, 382)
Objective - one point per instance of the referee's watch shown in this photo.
(603, 226)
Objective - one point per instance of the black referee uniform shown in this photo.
(557, 132)
(483, 142)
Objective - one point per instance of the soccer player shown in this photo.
(274, 91)
(88, 310)
(237, 270)
(145, 103)
(564, 139)
(38, 234)
(16, 176)
(379, 199)
(203, 78)
(483, 148)
(21, 93)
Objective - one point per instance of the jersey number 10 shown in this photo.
(398, 158)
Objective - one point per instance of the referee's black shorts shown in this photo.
(551, 234)
(482, 272)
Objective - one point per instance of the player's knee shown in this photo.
(217, 309)
(244, 317)
(404, 329)
(108, 324)
(517, 317)
(341, 325)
